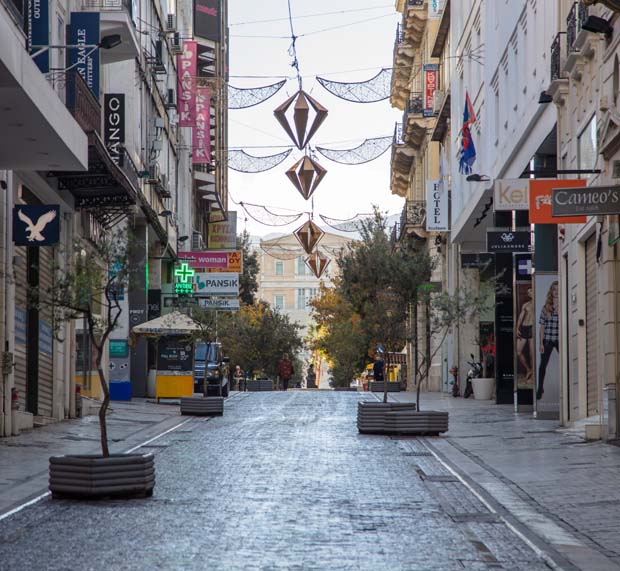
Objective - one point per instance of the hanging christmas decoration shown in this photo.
(241, 161)
(264, 215)
(306, 174)
(318, 263)
(369, 150)
(353, 224)
(374, 89)
(242, 98)
(308, 235)
(301, 104)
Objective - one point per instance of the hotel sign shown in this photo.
(590, 201)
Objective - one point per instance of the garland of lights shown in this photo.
(242, 98)
(241, 161)
(375, 89)
(367, 151)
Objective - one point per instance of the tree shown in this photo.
(248, 283)
(90, 288)
(257, 336)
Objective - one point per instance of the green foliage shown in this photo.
(248, 283)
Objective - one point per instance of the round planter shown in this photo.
(96, 477)
(202, 406)
(483, 388)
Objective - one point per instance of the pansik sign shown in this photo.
(220, 303)
(589, 201)
(508, 241)
(216, 283)
(511, 194)
(431, 77)
(541, 199)
(436, 207)
(186, 87)
(201, 133)
(114, 125)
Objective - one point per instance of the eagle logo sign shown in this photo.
(35, 231)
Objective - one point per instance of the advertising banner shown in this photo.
(36, 224)
(435, 7)
(186, 87)
(220, 303)
(222, 260)
(525, 355)
(589, 201)
(216, 283)
(546, 336)
(114, 125)
(223, 235)
(431, 79)
(207, 19)
(511, 194)
(541, 200)
(509, 240)
(175, 354)
(39, 31)
(201, 133)
(85, 30)
(437, 207)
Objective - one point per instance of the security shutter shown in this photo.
(21, 305)
(46, 359)
(591, 328)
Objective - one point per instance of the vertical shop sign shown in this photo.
(114, 125)
(201, 135)
(186, 86)
(504, 329)
(85, 31)
(39, 32)
(207, 19)
(436, 207)
(431, 78)
(224, 234)
(547, 389)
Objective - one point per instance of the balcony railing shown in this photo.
(413, 214)
(415, 3)
(415, 104)
(107, 5)
(398, 134)
(574, 23)
(400, 35)
(82, 104)
(556, 56)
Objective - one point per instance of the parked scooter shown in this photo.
(475, 372)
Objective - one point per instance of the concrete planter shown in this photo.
(399, 418)
(202, 406)
(94, 477)
(377, 387)
(483, 388)
(260, 385)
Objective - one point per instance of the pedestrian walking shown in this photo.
(238, 378)
(377, 368)
(310, 377)
(285, 371)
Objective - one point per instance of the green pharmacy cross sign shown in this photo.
(184, 273)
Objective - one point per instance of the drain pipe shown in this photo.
(9, 316)
(3, 324)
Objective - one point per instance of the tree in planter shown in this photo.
(89, 289)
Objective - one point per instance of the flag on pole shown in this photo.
(467, 153)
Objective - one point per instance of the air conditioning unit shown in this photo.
(175, 44)
(171, 23)
(154, 174)
(438, 99)
(197, 243)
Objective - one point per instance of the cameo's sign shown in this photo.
(511, 194)
(499, 240)
(589, 201)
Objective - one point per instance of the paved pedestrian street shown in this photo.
(283, 481)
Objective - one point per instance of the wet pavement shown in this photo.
(283, 481)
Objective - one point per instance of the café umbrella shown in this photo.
(175, 323)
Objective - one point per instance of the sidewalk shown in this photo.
(24, 458)
(563, 490)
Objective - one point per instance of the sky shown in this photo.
(353, 52)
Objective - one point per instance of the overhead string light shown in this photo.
(242, 98)
(241, 161)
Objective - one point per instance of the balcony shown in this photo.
(415, 16)
(415, 124)
(558, 87)
(401, 72)
(116, 18)
(576, 38)
(402, 160)
(36, 130)
(412, 221)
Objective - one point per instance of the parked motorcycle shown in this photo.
(475, 372)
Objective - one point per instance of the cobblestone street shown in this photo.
(282, 481)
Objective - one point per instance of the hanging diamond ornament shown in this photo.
(318, 263)
(301, 114)
(308, 235)
(306, 174)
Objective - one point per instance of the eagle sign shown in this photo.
(34, 231)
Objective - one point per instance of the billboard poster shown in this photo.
(175, 354)
(186, 86)
(224, 234)
(85, 30)
(547, 387)
(207, 19)
(437, 206)
(524, 337)
(201, 133)
(431, 78)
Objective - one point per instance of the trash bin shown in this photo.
(609, 412)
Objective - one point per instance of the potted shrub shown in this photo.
(89, 290)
